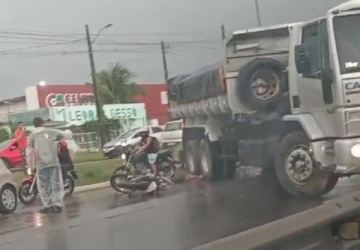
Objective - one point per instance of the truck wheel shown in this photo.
(211, 165)
(207, 159)
(261, 83)
(331, 183)
(192, 156)
(297, 171)
(230, 170)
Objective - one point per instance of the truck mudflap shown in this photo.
(316, 228)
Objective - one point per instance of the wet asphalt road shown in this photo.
(186, 216)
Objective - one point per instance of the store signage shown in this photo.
(69, 99)
(125, 111)
(78, 115)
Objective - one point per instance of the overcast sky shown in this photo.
(191, 29)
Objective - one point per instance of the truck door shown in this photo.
(314, 89)
(314, 82)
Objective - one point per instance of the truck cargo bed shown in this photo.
(205, 83)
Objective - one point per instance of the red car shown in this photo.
(11, 154)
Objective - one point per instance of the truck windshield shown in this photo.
(347, 34)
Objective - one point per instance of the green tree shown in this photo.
(4, 134)
(116, 86)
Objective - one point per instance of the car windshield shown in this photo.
(127, 133)
(4, 144)
(173, 126)
(347, 34)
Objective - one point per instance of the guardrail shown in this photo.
(304, 230)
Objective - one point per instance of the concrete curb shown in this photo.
(92, 187)
(292, 227)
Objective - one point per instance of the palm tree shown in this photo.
(115, 85)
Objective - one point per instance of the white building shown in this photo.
(12, 106)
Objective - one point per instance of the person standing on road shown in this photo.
(21, 138)
(42, 155)
(64, 154)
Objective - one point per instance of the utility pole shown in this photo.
(96, 89)
(163, 51)
(223, 38)
(8, 103)
(258, 13)
(223, 32)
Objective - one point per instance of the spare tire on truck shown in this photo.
(261, 84)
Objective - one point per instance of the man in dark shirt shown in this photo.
(150, 146)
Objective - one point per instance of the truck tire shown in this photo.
(261, 84)
(211, 165)
(230, 170)
(297, 171)
(192, 156)
(206, 159)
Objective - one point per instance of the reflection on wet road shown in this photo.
(187, 216)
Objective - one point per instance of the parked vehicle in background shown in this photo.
(287, 98)
(11, 154)
(130, 138)
(8, 193)
(172, 133)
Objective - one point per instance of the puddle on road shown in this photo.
(249, 172)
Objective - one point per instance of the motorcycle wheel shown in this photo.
(116, 180)
(69, 186)
(121, 170)
(25, 196)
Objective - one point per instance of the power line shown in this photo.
(62, 34)
(41, 46)
(76, 52)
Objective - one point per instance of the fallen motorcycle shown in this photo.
(134, 176)
(28, 189)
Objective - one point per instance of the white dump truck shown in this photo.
(287, 98)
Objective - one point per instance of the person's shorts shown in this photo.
(152, 158)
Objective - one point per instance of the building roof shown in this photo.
(12, 100)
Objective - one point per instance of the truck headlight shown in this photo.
(123, 157)
(355, 151)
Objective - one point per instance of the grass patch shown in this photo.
(95, 172)
(81, 157)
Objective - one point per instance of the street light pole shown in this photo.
(8, 111)
(258, 13)
(163, 52)
(96, 87)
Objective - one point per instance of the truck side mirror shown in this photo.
(301, 59)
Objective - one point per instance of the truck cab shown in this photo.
(324, 86)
